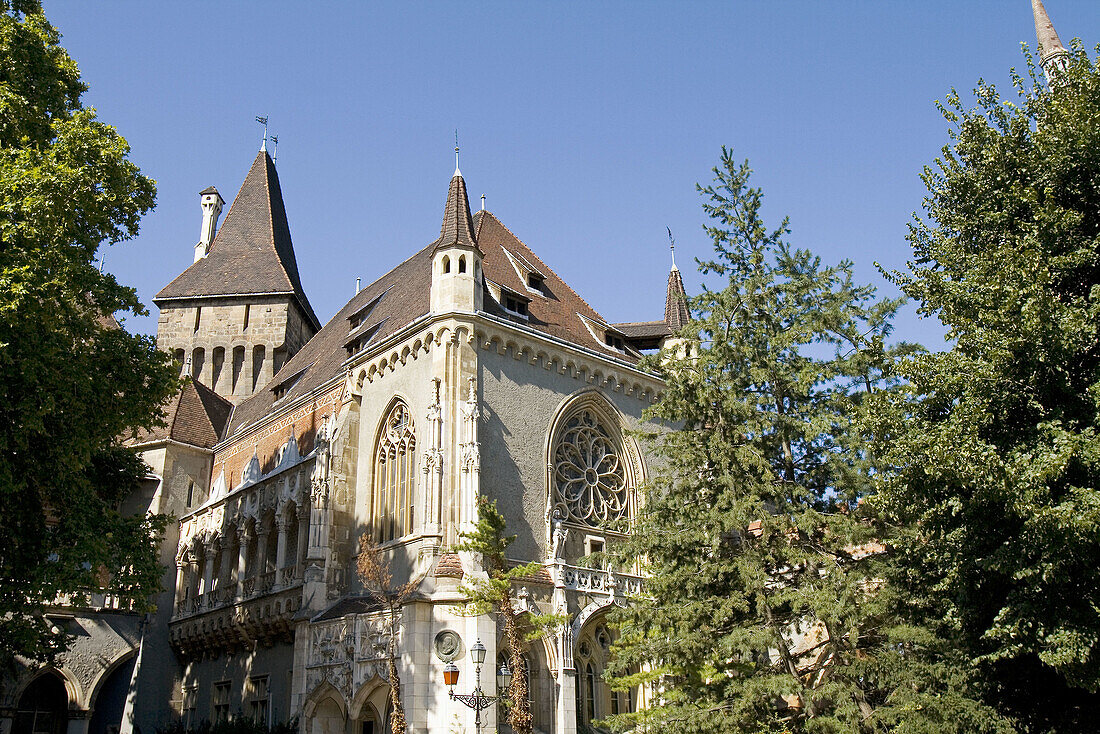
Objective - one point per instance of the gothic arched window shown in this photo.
(391, 500)
(590, 477)
(589, 693)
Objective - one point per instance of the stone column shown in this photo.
(224, 384)
(281, 524)
(225, 573)
(208, 573)
(565, 708)
(7, 718)
(78, 722)
(269, 367)
(261, 555)
(243, 538)
(180, 590)
(303, 537)
(194, 579)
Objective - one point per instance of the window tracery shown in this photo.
(589, 475)
(391, 500)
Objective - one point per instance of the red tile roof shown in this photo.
(252, 252)
(403, 296)
(196, 416)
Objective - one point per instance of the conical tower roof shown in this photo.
(458, 223)
(1050, 45)
(252, 252)
(676, 313)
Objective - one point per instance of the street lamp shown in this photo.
(477, 700)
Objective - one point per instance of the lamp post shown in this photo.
(477, 700)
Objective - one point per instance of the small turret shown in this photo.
(211, 202)
(456, 259)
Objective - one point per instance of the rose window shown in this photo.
(589, 477)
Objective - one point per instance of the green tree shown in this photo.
(492, 594)
(765, 610)
(993, 446)
(72, 383)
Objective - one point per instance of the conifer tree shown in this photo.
(493, 595)
(993, 447)
(764, 608)
(73, 384)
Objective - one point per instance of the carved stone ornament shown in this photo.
(448, 645)
(589, 477)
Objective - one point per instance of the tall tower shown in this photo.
(239, 312)
(1053, 56)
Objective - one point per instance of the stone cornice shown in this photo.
(487, 331)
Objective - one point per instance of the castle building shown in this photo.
(470, 370)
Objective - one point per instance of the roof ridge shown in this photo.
(547, 266)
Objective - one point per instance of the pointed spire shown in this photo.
(1052, 54)
(676, 313)
(458, 223)
(252, 251)
(457, 171)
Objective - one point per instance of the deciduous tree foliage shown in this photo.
(765, 610)
(993, 446)
(72, 383)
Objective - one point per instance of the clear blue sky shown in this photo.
(587, 125)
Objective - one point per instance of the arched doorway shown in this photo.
(110, 702)
(43, 708)
(595, 698)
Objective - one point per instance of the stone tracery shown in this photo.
(588, 472)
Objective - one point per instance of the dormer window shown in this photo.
(514, 305)
(282, 387)
(602, 333)
(528, 274)
(356, 319)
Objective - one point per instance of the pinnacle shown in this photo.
(458, 223)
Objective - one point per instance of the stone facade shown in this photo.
(233, 345)
(469, 372)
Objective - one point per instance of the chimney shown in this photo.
(211, 202)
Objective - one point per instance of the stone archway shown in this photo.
(43, 707)
(109, 699)
(325, 712)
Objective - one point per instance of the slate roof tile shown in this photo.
(403, 296)
(252, 252)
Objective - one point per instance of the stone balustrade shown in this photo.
(600, 581)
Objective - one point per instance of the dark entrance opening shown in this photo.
(43, 707)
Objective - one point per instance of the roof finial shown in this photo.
(262, 119)
(483, 202)
(672, 247)
(274, 147)
(457, 171)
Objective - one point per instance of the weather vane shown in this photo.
(274, 148)
(262, 119)
(672, 246)
(456, 150)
